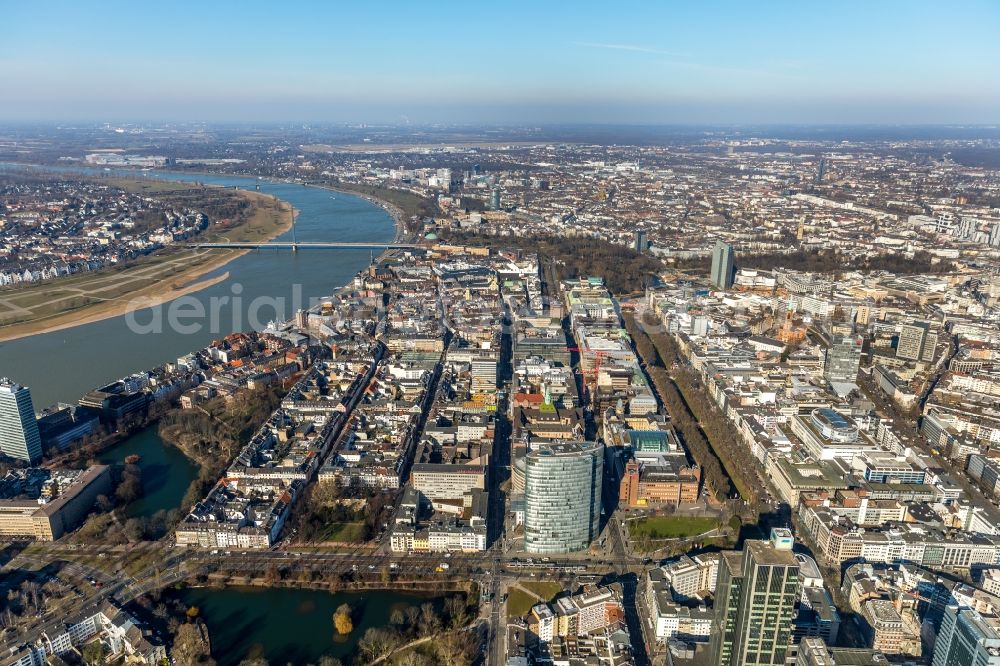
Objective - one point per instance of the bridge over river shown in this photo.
(294, 246)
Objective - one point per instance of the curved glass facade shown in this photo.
(562, 497)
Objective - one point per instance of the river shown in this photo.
(289, 626)
(65, 364)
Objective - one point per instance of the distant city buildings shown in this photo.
(641, 241)
(52, 229)
(117, 159)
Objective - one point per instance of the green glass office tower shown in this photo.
(755, 603)
(966, 638)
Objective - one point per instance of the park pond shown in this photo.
(293, 626)
(166, 471)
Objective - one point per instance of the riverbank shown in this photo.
(397, 214)
(163, 277)
(91, 354)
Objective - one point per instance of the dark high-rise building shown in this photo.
(966, 638)
(641, 241)
(843, 359)
(722, 265)
(495, 199)
(755, 603)
(821, 170)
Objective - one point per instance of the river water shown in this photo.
(63, 365)
(288, 626)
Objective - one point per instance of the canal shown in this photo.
(290, 626)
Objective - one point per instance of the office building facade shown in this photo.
(755, 603)
(966, 638)
(562, 496)
(722, 265)
(843, 359)
(19, 436)
(641, 241)
(916, 342)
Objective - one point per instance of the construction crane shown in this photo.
(595, 371)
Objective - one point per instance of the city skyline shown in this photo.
(617, 334)
(787, 63)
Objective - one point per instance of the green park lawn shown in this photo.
(670, 527)
(344, 533)
(519, 601)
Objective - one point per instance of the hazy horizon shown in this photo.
(730, 63)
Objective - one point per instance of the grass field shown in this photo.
(670, 527)
(546, 589)
(344, 533)
(520, 601)
(166, 273)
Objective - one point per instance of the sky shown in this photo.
(615, 62)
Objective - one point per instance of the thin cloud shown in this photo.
(625, 47)
(741, 71)
(682, 62)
